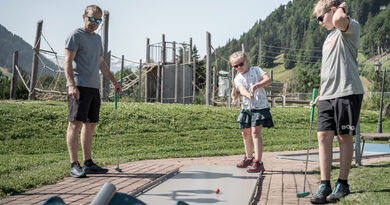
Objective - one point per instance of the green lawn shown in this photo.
(33, 149)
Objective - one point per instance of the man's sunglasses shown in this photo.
(92, 19)
(238, 65)
(321, 18)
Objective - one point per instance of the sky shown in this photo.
(131, 22)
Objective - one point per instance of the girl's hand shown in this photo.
(252, 89)
(248, 95)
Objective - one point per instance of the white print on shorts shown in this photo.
(347, 127)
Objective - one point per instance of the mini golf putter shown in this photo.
(304, 193)
(116, 132)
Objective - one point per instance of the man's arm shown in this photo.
(340, 19)
(73, 92)
(106, 72)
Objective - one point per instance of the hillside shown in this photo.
(293, 33)
(9, 43)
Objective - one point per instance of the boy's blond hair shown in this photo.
(94, 9)
(323, 5)
(236, 55)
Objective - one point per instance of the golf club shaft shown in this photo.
(116, 129)
(309, 138)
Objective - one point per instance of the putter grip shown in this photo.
(312, 104)
(116, 101)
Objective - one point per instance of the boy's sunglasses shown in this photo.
(92, 19)
(238, 65)
(321, 18)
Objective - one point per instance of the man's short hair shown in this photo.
(323, 5)
(94, 9)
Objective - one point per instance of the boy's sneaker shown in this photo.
(94, 169)
(76, 171)
(339, 192)
(320, 197)
(256, 167)
(245, 163)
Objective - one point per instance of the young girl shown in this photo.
(255, 114)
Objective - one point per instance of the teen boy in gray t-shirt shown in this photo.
(340, 96)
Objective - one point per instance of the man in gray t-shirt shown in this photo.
(84, 48)
(340, 98)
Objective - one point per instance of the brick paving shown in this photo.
(279, 184)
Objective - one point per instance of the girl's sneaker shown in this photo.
(245, 163)
(256, 167)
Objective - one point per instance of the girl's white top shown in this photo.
(253, 76)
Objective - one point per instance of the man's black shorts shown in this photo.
(85, 109)
(339, 114)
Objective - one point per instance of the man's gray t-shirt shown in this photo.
(88, 47)
(339, 72)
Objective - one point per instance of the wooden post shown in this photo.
(271, 73)
(122, 65)
(176, 81)
(14, 80)
(243, 47)
(139, 81)
(158, 83)
(163, 50)
(147, 59)
(214, 85)
(208, 67)
(259, 53)
(174, 52)
(162, 84)
(105, 84)
(146, 87)
(190, 52)
(230, 85)
(34, 69)
(184, 79)
(193, 78)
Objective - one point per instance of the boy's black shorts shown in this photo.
(85, 109)
(339, 114)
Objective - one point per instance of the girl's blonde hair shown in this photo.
(236, 55)
(323, 5)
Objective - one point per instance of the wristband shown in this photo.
(342, 8)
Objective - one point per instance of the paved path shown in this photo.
(280, 183)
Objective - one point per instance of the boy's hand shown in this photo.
(315, 102)
(345, 6)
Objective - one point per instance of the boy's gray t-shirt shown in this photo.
(88, 47)
(339, 72)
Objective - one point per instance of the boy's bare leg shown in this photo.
(248, 143)
(258, 142)
(346, 154)
(86, 139)
(72, 139)
(325, 140)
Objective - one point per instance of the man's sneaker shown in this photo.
(245, 163)
(339, 192)
(76, 171)
(320, 197)
(256, 167)
(94, 169)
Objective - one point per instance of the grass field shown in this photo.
(33, 149)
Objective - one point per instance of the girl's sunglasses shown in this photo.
(238, 65)
(321, 18)
(92, 19)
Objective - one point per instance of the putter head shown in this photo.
(249, 112)
(300, 195)
(118, 169)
